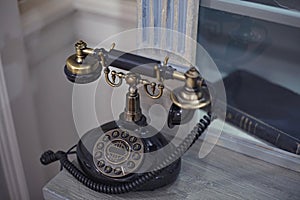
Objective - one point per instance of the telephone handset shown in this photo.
(119, 156)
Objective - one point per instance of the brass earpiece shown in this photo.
(79, 67)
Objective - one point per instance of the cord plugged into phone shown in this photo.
(114, 158)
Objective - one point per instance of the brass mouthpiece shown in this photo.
(193, 95)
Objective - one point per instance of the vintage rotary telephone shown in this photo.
(114, 157)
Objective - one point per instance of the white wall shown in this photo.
(34, 47)
(18, 83)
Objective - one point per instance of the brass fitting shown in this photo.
(192, 95)
(79, 47)
(76, 63)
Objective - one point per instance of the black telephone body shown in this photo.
(118, 151)
(119, 156)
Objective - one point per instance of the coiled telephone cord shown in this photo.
(49, 157)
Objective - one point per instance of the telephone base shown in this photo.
(86, 158)
(166, 177)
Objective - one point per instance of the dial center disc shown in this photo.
(117, 151)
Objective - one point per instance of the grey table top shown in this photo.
(223, 174)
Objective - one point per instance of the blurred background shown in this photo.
(36, 37)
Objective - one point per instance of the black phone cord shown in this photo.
(49, 157)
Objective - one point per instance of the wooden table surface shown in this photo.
(223, 174)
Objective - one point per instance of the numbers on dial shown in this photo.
(118, 153)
